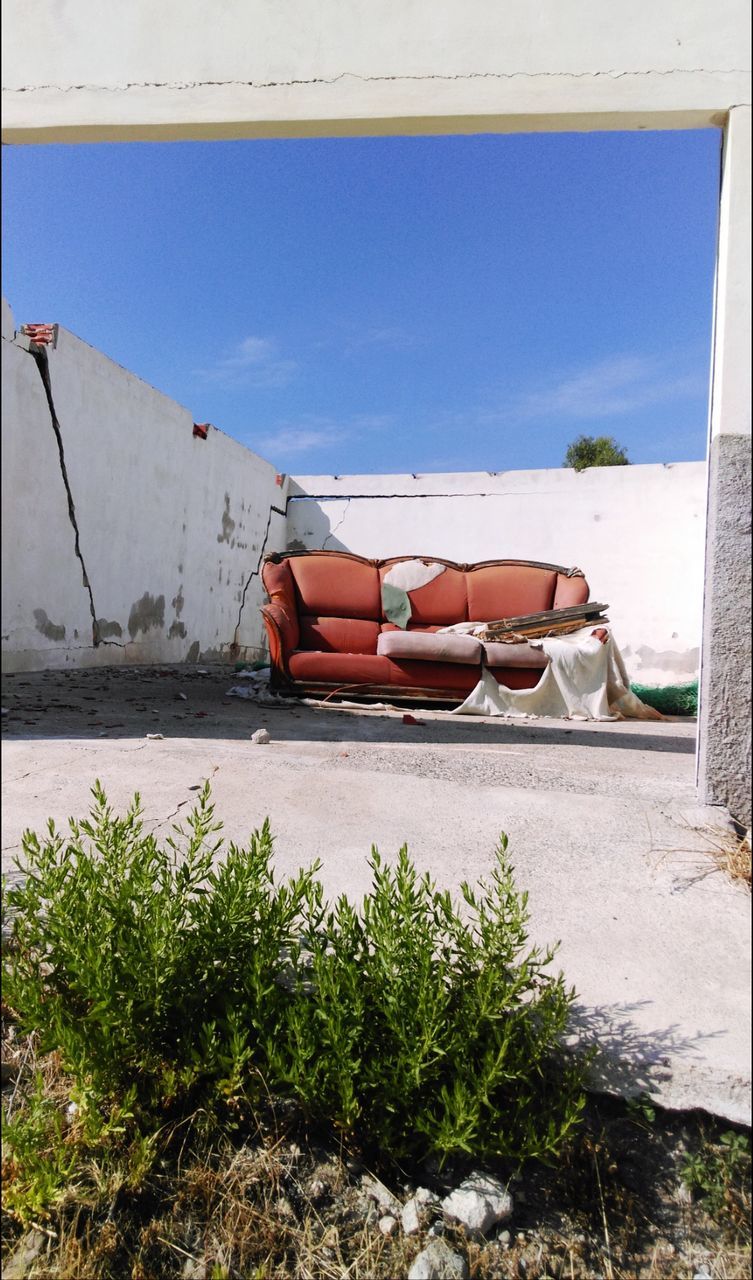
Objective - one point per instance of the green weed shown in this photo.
(719, 1175)
(171, 980)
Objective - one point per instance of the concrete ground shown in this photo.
(602, 820)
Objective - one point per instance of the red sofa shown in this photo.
(325, 618)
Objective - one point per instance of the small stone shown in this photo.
(411, 1217)
(285, 1208)
(260, 737)
(438, 1262)
(426, 1198)
(24, 1256)
(317, 1189)
(377, 1191)
(155, 737)
(388, 1225)
(504, 1239)
(479, 1202)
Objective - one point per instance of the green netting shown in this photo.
(670, 699)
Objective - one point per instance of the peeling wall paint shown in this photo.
(140, 545)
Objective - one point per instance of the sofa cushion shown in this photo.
(513, 655)
(508, 590)
(440, 601)
(339, 668)
(338, 635)
(336, 586)
(429, 646)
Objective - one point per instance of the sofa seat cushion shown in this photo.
(513, 655)
(338, 635)
(339, 668)
(429, 646)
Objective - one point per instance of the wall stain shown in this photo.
(146, 613)
(106, 628)
(177, 629)
(295, 544)
(193, 652)
(48, 629)
(178, 601)
(213, 655)
(669, 659)
(227, 523)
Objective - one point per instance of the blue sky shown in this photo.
(389, 304)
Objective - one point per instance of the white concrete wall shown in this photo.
(637, 532)
(192, 68)
(170, 526)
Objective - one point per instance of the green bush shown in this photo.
(171, 979)
(595, 451)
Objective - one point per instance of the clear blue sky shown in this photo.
(388, 304)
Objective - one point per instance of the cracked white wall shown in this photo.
(171, 527)
(637, 532)
(186, 68)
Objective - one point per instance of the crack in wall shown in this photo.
(41, 359)
(273, 510)
(339, 524)
(181, 85)
(382, 497)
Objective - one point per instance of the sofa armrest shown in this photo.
(570, 589)
(282, 635)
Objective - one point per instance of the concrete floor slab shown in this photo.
(603, 827)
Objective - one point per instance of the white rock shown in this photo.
(377, 1191)
(261, 737)
(156, 737)
(388, 1225)
(24, 1256)
(479, 1202)
(438, 1262)
(410, 1216)
(426, 1197)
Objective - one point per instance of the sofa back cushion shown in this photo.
(508, 590)
(336, 587)
(439, 602)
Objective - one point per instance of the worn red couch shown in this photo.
(325, 617)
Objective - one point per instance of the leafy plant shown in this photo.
(595, 451)
(170, 979)
(719, 1174)
(38, 1161)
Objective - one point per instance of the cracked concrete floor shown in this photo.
(602, 820)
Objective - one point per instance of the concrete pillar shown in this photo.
(724, 733)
